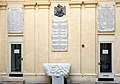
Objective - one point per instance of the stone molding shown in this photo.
(75, 4)
(29, 5)
(90, 4)
(43, 5)
(3, 6)
(117, 3)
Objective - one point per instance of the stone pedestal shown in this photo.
(57, 79)
(57, 70)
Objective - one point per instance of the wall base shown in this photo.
(47, 80)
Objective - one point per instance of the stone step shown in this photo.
(37, 83)
(13, 80)
(106, 82)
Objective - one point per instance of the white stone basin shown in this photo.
(56, 69)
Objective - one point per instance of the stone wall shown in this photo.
(82, 51)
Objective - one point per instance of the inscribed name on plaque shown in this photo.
(106, 17)
(59, 35)
(15, 20)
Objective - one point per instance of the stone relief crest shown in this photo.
(59, 10)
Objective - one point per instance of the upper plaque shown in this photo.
(59, 35)
(106, 17)
(15, 20)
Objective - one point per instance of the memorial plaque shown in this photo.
(59, 35)
(106, 17)
(15, 20)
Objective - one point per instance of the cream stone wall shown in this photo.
(117, 41)
(43, 33)
(75, 43)
(88, 39)
(82, 52)
(3, 39)
(29, 40)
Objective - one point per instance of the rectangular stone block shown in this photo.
(106, 82)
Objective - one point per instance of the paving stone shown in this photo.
(106, 82)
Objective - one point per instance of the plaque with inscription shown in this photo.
(106, 17)
(59, 35)
(15, 20)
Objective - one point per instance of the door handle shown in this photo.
(21, 58)
(99, 63)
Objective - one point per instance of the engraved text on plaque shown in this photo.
(59, 35)
(15, 20)
(106, 17)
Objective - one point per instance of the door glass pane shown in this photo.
(105, 57)
(15, 57)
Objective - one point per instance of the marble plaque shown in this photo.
(15, 20)
(106, 17)
(59, 35)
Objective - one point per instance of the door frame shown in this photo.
(106, 39)
(15, 40)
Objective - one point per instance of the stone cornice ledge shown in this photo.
(29, 4)
(75, 4)
(43, 3)
(3, 6)
(118, 3)
(91, 4)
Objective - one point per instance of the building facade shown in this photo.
(84, 33)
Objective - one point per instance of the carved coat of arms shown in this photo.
(59, 10)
